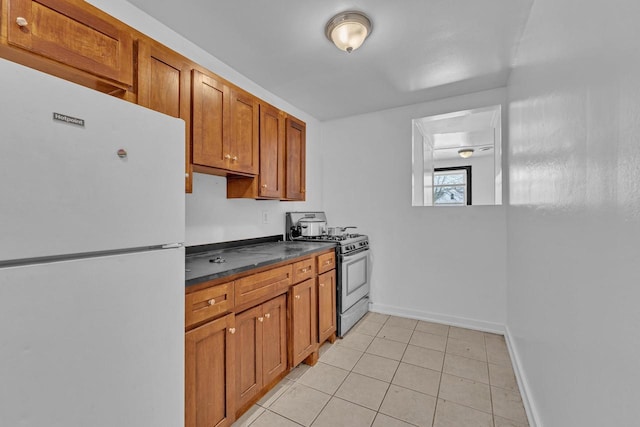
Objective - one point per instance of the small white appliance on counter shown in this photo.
(91, 257)
(353, 266)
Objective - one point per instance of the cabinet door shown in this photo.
(243, 132)
(164, 85)
(73, 33)
(210, 98)
(295, 161)
(249, 355)
(274, 349)
(326, 305)
(272, 135)
(209, 374)
(303, 320)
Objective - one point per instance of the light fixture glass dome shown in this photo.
(465, 153)
(348, 30)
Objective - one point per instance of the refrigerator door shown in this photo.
(93, 342)
(114, 182)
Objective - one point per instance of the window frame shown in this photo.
(468, 184)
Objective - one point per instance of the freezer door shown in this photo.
(114, 182)
(94, 342)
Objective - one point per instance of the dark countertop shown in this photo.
(244, 258)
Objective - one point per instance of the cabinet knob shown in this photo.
(328, 262)
(211, 301)
(232, 330)
(227, 156)
(234, 158)
(297, 296)
(322, 285)
(304, 270)
(260, 319)
(267, 315)
(264, 185)
(21, 21)
(122, 153)
(186, 175)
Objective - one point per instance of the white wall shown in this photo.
(446, 264)
(574, 216)
(210, 216)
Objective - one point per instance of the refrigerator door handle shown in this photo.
(172, 246)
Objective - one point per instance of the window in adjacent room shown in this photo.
(452, 186)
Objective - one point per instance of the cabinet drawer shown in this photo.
(208, 303)
(326, 262)
(303, 270)
(261, 285)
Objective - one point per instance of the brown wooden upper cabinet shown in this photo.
(224, 127)
(269, 184)
(296, 158)
(74, 33)
(272, 135)
(244, 118)
(164, 85)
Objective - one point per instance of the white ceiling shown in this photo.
(419, 50)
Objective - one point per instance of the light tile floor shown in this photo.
(390, 371)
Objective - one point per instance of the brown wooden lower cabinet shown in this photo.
(261, 345)
(209, 374)
(274, 334)
(253, 329)
(303, 320)
(327, 306)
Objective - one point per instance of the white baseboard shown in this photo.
(480, 325)
(463, 322)
(523, 383)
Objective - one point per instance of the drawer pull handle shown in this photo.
(267, 315)
(260, 319)
(232, 330)
(322, 285)
(304, 270)
(21, 21)
(211, 301)
(297, 296)
(328, 262)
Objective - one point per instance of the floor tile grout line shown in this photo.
(493, 417)
(435, 408)
(280, 415)
(395, 418)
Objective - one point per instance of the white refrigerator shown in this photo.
(91, 257)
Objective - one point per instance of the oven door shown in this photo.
(355, 279)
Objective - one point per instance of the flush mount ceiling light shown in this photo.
(465, 153)
(348, 30)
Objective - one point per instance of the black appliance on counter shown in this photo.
(353, 264)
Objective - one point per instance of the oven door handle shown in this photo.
(354, 253)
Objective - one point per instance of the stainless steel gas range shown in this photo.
(353, 267)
